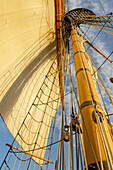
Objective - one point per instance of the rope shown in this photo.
(100, 154)
(41, 123)
(104, 62)
(55, 123)
(79, 111)
(101, 80)
(32, 150)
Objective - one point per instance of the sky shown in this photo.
(107, 7)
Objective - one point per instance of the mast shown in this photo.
(96, 134)
(90, 107)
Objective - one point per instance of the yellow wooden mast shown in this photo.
(91, 110)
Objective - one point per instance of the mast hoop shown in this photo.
(87, 103)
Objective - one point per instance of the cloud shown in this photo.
(95, 5)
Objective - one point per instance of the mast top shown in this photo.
(77, 16)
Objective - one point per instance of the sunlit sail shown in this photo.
(56, 84)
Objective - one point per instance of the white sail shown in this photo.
(27, 50)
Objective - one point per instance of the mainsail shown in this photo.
(47, 69)
(29, 74)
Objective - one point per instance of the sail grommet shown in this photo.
(99, 115)
(66, 133)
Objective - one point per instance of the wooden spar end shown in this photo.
(29, 153)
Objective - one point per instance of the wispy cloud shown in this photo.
(95, 5)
